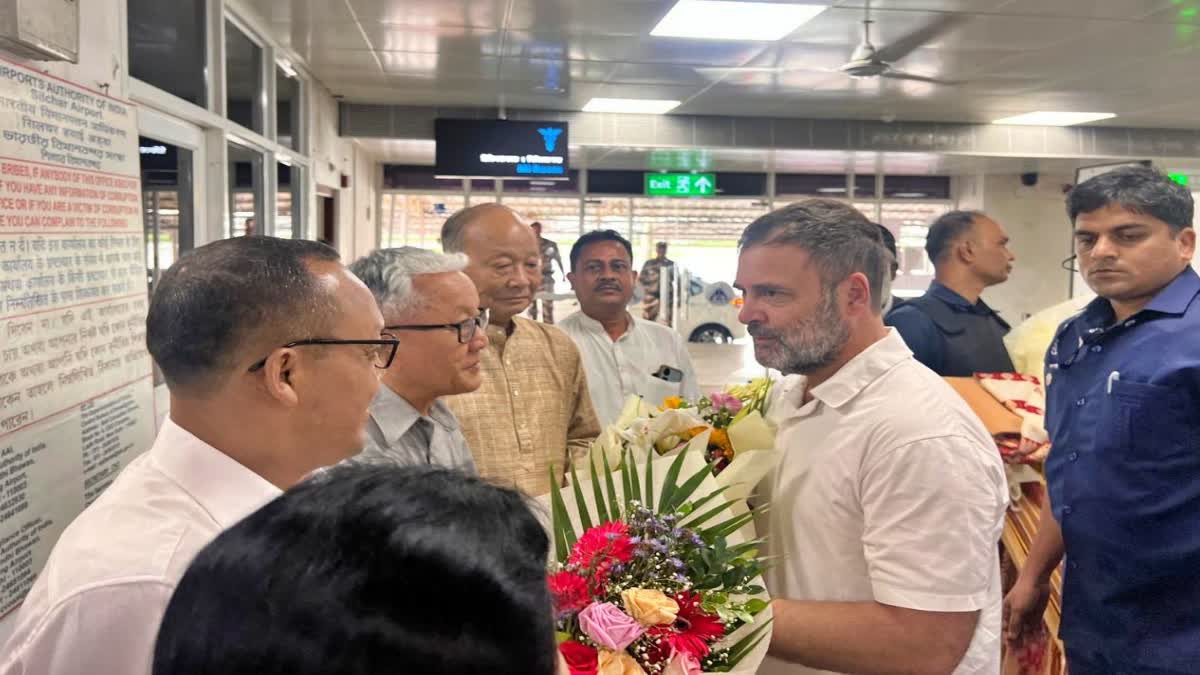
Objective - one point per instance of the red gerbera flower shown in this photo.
(581, 659)
(569, 590)
(600, 548)
(693, 632)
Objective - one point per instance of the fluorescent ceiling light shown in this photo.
(1055, 119)
(831, 190)
(728, 20)
(643, 106)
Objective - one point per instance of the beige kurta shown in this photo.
(533, 409)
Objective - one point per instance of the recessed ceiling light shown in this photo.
(831, 190)
(729, 20)
(644, 106)
(1055, 119)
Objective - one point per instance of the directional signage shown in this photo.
(681, 184)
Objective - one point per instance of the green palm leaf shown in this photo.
(585, 517)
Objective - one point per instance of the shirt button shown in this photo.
(1066, 510)
(1073, 565)
(1073, 456)
(1096, 349)
(1081, 402)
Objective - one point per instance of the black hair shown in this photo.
(837, 237)
(946, 230)
(365, 570)
(226, 295)
(889, 242)
(1139, 189)
(597, 236)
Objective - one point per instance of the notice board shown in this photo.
(76, 388)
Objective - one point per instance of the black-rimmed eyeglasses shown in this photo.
(466, 329)
(384, 352)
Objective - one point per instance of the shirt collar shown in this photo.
(593, 326)
(862, 370)
(224, 488)
(1178, 295)
(395, 415)
(941, 292)
(1173, 300)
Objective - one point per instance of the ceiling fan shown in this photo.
(868, 61)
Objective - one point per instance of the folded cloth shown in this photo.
(1025, 397)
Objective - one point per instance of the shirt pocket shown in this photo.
(1148, 426)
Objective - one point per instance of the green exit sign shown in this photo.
(681, 184)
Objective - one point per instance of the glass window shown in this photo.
(916, 187)
(243, 79)
(167, 46)
(289, 200)
(167, 201)
(245, 191)
(702, 234)
(795, 185)
(405, 177)
(909, 222)
(415, 219)
(287, 109)
(864, 186)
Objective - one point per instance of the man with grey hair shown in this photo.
(889, 497)
(433, 309)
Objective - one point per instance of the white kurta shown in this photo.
(618, 369)
(888, 489)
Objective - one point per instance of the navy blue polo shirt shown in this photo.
(1123, 412)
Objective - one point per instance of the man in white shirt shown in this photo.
(889, 497)
(270, 349)
(433, 310)
(623, 355)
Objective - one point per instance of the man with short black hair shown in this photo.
(624, 355)
(656, 308)
(951, 329)
(890, 301)
(888, 500)
(270, 349)
(533, 411)
(1123, 475)
(433, 310)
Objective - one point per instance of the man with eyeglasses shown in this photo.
(271, 351)
(433, 310)
(625, 356)
(533, 411)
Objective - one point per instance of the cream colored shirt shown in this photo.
(618, 369)
(888, 489)
(533, 409)
(96, 606)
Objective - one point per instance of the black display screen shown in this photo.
(501, 149)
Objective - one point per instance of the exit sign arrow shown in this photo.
(681, 184)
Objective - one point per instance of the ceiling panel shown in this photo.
(1131, 57)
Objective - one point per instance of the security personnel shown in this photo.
(950, 329)
(1123, 474)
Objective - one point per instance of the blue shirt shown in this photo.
(1123, 412)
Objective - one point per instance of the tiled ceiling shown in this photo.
(1137, 58)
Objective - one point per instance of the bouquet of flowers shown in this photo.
(741, 406)
(660, 580)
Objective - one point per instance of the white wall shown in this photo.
(333, 156)
(1036, 220)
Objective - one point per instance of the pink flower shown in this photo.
(683, 664)
(608, 626)
(727, 401)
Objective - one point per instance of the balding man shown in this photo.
(950, 329)
(533, 410)
(271, 351)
